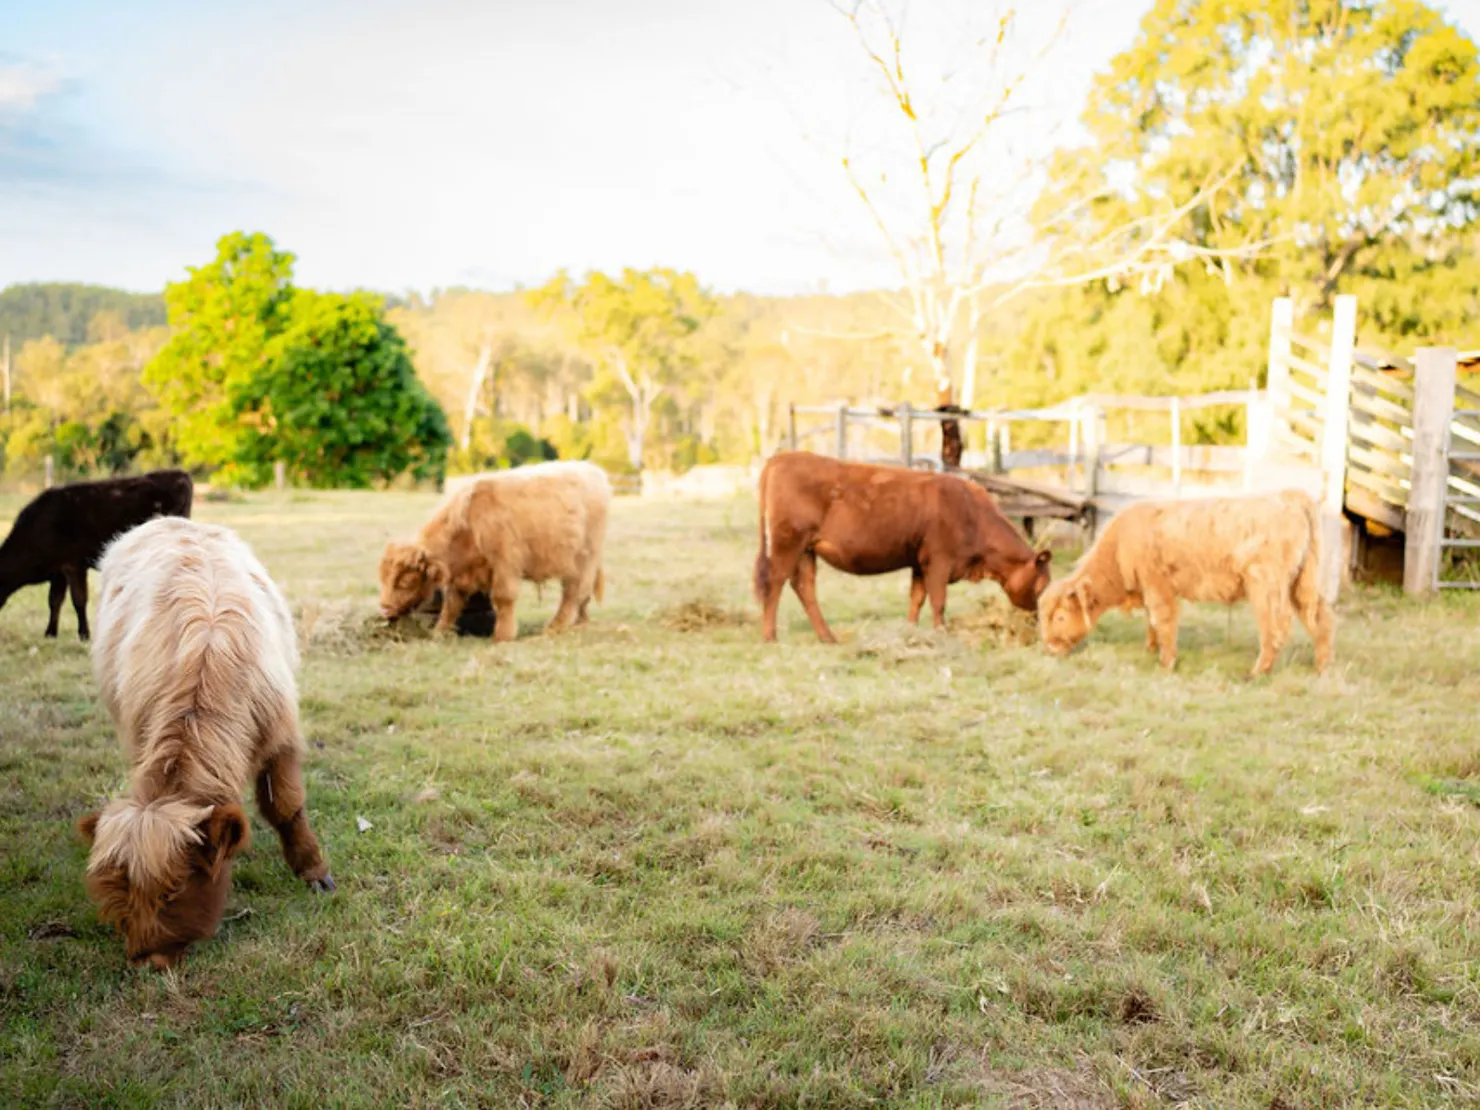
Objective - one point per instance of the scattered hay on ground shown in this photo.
(344, 626)
(995, 621)
(698, 614)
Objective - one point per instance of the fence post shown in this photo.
(1177, 444)
(50, 471)
(1073, 450)
(843, 430)
(906, 435)
(1004, 446)
(1277, 375)
(994, 446)
(280, 475)
(1257, 433)
(1433, 408)
(1334, 444)
(1093, 419)
(791, 426)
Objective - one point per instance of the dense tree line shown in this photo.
(65, 311)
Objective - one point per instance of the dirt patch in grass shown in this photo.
(901, 643)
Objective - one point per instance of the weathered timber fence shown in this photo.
(1386, 445)
(1393, 441)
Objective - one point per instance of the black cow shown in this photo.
(60, 535)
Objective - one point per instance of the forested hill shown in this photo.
(64, 310)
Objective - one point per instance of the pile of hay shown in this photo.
(995, 621)
(343, 626)
(699, 614)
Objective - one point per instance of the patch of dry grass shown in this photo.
(655, 863)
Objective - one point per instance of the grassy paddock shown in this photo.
(656, 863)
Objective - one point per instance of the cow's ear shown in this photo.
(223, 834)
(1043, 558)
(88, 826)
(1086, 599)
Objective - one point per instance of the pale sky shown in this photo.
(397, 145)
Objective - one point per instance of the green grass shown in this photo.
(657, 863)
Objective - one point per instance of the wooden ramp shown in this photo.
(1030, 501)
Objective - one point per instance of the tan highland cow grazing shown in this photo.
(1264, 549)
(534, 523)
(195, 656)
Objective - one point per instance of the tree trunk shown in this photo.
(480, 370)
(968, 370)
(637, 428)
(950, 431)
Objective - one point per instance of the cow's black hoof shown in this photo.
(322, 886)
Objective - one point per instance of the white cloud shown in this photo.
(22, 84)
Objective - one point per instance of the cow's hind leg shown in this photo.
(570, 607)
(281, 798)
(917, 594)
(77, 579)
(1272, 612)
(55, 595)
(804, 582)
(1315, 614)
(773, 572)
(586, 592)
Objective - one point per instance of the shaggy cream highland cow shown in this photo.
(195, 656)
(1264, 549)
(534, 523)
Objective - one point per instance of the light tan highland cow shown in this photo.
(531, 524)
(1263, 549)
(195, 654)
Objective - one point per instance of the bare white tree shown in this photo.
(952, 195)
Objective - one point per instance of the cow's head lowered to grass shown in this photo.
(161, 873)
(1066, 614)
(408, 577)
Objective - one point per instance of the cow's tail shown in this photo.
(1305, 592)
(763, 556)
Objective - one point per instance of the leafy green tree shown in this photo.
(1346, 136)
(639, 332)
(222, 318)
(336, 399)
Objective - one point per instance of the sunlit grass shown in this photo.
(657, 863)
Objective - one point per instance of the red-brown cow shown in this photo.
(875, 519)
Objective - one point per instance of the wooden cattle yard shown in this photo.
(1389, 446)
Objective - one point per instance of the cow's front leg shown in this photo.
(917, 594)
(281, 800)
(453, 600)
(937, 579)
(1161, 615)
(55, 595)
(505, 624)
(77, 579)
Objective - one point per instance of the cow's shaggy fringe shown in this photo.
(195, 659)
(1263, 549)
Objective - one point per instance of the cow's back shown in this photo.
(1209, 548)
(546, 524)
